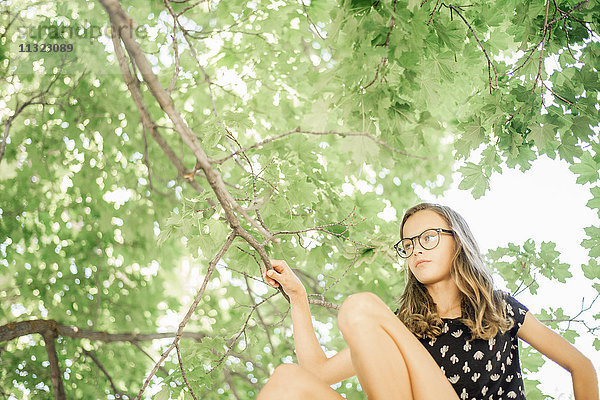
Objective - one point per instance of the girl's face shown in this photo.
(437, 267)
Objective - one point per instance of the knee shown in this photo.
(284, 377)
(285, 371)
(357, 308)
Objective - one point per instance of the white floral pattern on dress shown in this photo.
(466, 368)
(467, 346)
(478, 368)
(444, 350)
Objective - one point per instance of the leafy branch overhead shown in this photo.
(149, 173)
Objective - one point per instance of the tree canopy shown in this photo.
(153, 149)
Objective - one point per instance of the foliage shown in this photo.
(95, 216)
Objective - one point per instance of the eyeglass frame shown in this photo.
(412, 239)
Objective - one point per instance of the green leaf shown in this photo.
(581, 127)
(591, 270)
(586, 168)
(523, 159)
(317, 118)
(543, 136)
(568, 147)
(594, 202)
(164, 394)
(362, 149)
(338, 230)
(473, 134)
(474, 178)
(593, 243)
(8, 170)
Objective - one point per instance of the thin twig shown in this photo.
(140, 348)
(545, 32)
(299, 130)
(176, 52)
(183, 373)
(435, 8)
(555, 94)
(231, 385)
(381, 63)
(491, 65)
(104, 371)
(315, 28)
(191, 310)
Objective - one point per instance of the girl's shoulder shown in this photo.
(515, 310)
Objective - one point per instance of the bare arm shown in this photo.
(559, 350)
(308, 350)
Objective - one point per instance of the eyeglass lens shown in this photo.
(428, 240)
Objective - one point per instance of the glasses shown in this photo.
(428, 240)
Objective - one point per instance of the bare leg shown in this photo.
(389, 360)
(291, 382)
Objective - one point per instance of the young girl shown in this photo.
(453, 336)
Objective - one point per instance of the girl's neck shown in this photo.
(446, 297)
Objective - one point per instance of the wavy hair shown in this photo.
(483, 310)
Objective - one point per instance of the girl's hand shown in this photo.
(282, 274)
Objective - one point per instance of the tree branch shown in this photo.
(147, 121)
(385, 44)
(104, 371)
(55, 375)
(191, 310)
(13, 330)
(183, 373)
(489, 61)
(32, 100)
(230, 383)
(545, 32)
(192, 50)
(299, 130)
(123, 23)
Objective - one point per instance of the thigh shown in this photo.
(363, 311)
(290, 381)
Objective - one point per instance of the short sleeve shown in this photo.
(515, 311)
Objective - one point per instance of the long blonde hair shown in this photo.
(482, 307)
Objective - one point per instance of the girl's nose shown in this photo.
(418, 247)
